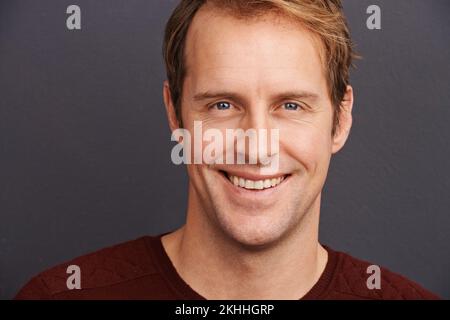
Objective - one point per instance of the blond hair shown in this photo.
(324, 18)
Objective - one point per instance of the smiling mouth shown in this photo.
(254, 184)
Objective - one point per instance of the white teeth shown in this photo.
(273, 182)
(259, 184)
(255, 184)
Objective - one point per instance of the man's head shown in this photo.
(269, 64)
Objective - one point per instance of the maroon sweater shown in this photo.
(141, 269)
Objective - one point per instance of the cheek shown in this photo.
(307, 144)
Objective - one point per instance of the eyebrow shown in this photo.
(214, 94)
(295, 94)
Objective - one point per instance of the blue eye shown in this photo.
(291, 106)
(222, 105)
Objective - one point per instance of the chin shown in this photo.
(253, 231)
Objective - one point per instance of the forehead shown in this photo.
(264, 52)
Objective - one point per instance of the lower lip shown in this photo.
(254, 194)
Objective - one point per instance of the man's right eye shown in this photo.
(221, 105)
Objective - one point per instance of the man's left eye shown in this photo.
(291, 106)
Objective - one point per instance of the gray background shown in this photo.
(85, 147)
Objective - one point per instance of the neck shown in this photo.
(287, 269)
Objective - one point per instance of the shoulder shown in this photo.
(109, 266)
(359, 279)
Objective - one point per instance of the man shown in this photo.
(266, 64)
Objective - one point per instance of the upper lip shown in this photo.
(251, 176)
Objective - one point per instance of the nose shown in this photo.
(261, 138)
(258, 117)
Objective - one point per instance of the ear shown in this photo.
(170, 108)
(345, 121)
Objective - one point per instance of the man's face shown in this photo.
(264, 73)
